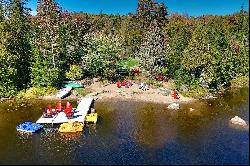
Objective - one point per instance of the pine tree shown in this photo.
(149, 10)
(48, 24)
(19, 44)
(1, 11)
(152, 48)
(14, 47)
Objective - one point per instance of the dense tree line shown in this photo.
(206, 51)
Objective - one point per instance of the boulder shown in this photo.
(191, 109)
(174, 106)
(166, 92)
(184, 88)
(238, 121)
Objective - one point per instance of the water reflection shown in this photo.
(154, 129)
(132, 133)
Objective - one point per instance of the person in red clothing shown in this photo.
(175, 94)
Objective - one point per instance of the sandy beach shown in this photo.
(155, 95)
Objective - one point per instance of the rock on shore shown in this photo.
(174, 106)
(238, 121)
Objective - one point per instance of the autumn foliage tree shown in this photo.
(151, 51)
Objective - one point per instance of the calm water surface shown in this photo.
(132, 133)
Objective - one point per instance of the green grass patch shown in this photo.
(196, 92)
(154, 83)
(129, 63)
(240, 82)
(79, 92)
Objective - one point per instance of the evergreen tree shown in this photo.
(1, 11)
(152, 48)
(177, 35)
(149, 10)
(14, 47)
(18, 41)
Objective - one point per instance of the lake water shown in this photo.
(132, 133)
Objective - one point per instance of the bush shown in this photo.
(75, 72)
(240, 82)
(43, 74)
(154, 83)
(36, 92)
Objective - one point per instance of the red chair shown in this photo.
(130, 83)
(119, 84)
(58, 107)
(124, 83)
(175, 94)
(68, 110)
(136, 70)
(48, 112)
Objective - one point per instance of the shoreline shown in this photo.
(106, 99)
(102, 93)
(119, 99)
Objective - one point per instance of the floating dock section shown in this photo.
(79, 116)
(63, 92)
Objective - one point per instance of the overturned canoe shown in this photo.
(71, 127)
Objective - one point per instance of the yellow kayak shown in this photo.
(92, 117)
(71, 127)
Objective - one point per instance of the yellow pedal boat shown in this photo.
(71, 127)
(92, 117)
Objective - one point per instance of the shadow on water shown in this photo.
(132, 133)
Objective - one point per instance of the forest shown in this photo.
(206, 52)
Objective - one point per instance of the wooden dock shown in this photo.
(79, 116)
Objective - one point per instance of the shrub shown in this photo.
(75, 72)
(36, 92)
(42, 72)
(240, 82)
